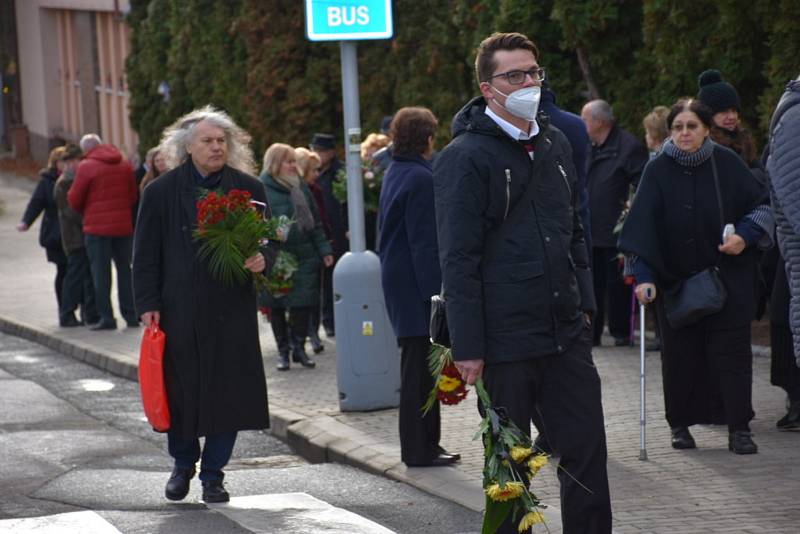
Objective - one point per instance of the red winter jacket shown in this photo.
(104, 192)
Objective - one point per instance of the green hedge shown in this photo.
(252, 59)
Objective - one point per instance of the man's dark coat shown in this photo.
(213, 367)
(410, 272)
(611, 168)
(525, 297)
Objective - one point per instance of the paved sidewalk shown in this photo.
(707, 490)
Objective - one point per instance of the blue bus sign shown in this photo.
(348, 20)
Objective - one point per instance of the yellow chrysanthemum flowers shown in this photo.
(520, 453)
(512, 490)
(530, 519)
(448, 383)
(536, 463)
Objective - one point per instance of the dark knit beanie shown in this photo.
(717, 94)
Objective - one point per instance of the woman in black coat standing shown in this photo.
(213, 370)
(410, 276)
(42, 201)
(674, 230)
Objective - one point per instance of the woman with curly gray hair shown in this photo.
(212, 361)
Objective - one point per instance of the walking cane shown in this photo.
(642, 398)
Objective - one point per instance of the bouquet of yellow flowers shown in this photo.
(510, 459)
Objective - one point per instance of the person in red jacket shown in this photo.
(105, 192)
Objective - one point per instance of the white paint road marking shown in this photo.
(300, 512)
(296, 512)
(69, 523)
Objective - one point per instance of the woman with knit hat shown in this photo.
(723, 100)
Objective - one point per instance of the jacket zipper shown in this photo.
(564, 176)
(508, 192)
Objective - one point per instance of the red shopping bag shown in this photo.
(151, 378)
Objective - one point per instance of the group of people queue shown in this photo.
(525, 300)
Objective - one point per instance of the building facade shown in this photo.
(71, 64)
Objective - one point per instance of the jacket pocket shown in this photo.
(514, 296)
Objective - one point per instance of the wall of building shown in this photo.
(71, 56)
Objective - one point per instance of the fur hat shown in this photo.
(716, 93)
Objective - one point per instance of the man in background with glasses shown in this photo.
(515, 270)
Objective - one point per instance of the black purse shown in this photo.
(702, 294)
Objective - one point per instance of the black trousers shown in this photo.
(78, 288)
(565, 391)
(610, 290)
(215, 455)
(57, 256)
(700, 366)
(419, 434)
(295, 328)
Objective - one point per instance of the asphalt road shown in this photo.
(78, 456)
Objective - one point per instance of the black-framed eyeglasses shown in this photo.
(517, 77)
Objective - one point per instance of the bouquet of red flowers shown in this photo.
(449, 388)
(232, 227)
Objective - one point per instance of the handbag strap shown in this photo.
(719, 199)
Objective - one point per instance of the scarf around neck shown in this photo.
(302, 213)
(689, 159)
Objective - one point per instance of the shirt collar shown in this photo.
(512, 131)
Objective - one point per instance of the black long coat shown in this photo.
(42, 200)
(213, 367)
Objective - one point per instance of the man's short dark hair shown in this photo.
(484, 59)
(410, 130)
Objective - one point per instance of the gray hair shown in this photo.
(176, 139)
(601, 111)
(89, 141)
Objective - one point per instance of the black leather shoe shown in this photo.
(214, 491)
(653, 346)
(444, 454)
(741, 442)
(622, 342)
(682, 439)
(70, 322)
(104, 326)
(790, 421)
(440, 461)
(132, 324)
(178, 483)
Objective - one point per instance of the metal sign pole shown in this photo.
(352, 130)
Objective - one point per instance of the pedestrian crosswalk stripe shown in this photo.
(299, 512)
(68, 523)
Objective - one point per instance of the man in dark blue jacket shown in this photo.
(615, 163)
(410, 276)
(516, 274)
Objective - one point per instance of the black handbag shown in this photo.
(702, 294)
(438, 329)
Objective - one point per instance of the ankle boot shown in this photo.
(283, 361)
(741, 442)
(790, 421)
(316, 342)
(299, 354)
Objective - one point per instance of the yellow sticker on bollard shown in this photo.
(366, 328)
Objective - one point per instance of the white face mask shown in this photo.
(522, 103)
